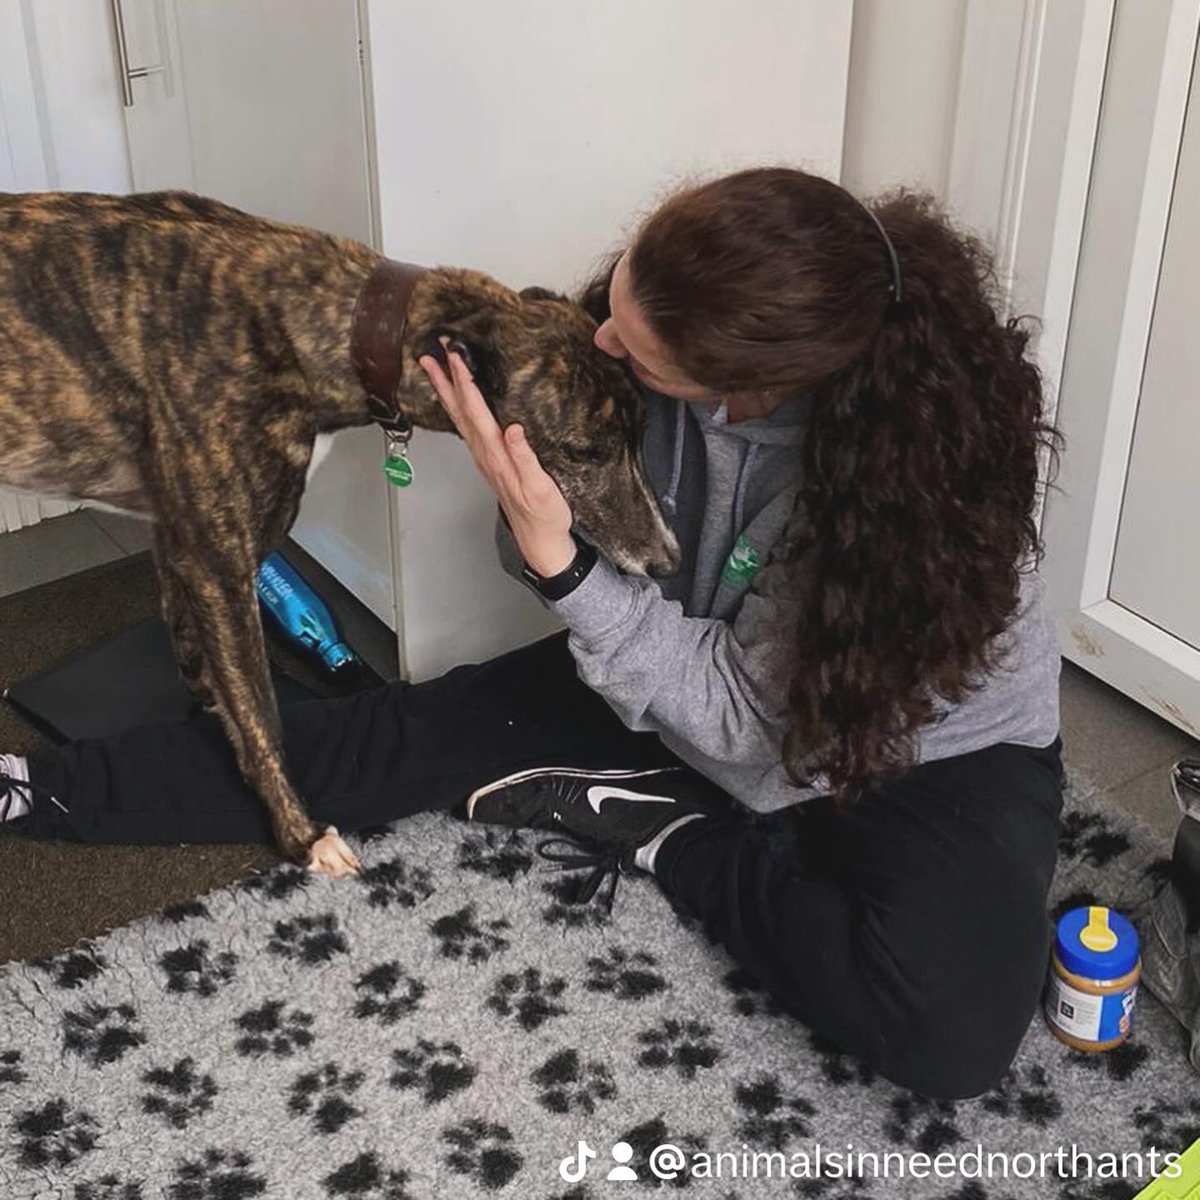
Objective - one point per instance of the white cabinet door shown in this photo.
(260, 103)
(1123, 528)
(525, 138)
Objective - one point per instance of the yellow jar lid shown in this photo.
(1096, 934)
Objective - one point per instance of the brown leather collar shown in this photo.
(377, 339)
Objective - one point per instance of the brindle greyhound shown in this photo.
(172, 356)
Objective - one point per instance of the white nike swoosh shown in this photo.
(597, 794)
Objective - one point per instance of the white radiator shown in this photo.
(18, 509)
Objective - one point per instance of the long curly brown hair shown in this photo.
(922, 460)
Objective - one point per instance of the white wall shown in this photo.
(525, 139)
(903, 91)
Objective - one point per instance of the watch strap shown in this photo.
(558, 587)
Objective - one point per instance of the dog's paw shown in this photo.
(329, 855)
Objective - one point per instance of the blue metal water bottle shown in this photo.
(302, 614)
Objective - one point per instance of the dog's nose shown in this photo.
(666, 564)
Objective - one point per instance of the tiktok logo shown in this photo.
(574, 1167)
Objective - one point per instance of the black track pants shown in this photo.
(911, 930)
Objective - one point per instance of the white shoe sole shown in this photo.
(570, 772)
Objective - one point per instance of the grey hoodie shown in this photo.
(694, 657)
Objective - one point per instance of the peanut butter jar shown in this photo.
(1094, 973)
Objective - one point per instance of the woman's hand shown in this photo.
(537, 512)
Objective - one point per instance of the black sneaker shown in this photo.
(1171, 927)
(604, 816)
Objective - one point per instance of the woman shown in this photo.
(832, 735)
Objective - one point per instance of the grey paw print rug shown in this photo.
(449, 1026)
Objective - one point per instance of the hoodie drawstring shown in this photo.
(668, 500)
(739, 496)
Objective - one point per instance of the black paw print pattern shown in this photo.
(654, 1132)
(1080, 898)
(322, 1093)
(268, 1031)
(837, 1066)
(970, 1191)
(387, 993)
(393, 882)
(176, 914)
(684, 1045)
(180, 1093)
(1090, 838)
(495, 854)
(373, 833)
(216, 1175)
(192, 969)
(624, 975)
(527, 996)
(483, 1150)
(436, 1069)
(566, 1084)
(769, 1118)
(565, 909)
(310, 940)
(365, 1178)
(100, 1034)
(54, 1135)
(1025, 1093)
(10, 1068)
(857, 1188)
(749, 997)
(110, 1187)
(925, 1125)
(279, 884)
(461, 935)
(75, 967)
(1120, 1064)
(1167, 1123)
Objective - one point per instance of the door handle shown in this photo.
(128, 73)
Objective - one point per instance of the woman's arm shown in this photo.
(708, 684)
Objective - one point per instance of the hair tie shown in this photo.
(897, 293)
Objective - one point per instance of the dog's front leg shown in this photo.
(217, 592)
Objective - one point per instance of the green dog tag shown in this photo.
(398, 470)
(741, 565)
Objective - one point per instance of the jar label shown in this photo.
(1087, 1017)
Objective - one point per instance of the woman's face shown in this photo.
(626, 335)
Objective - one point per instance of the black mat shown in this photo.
(130, 679)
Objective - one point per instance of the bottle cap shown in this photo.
(1096, 943)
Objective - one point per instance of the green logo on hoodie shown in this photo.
(741, 565)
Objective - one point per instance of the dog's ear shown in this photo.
(540, 293)
(473, 339)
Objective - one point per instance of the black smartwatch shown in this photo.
(557, 587)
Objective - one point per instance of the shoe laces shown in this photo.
(576, 854)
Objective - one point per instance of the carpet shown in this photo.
(448, 1026)
(56, 892)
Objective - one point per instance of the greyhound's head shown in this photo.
(532, 356)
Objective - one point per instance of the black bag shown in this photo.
(131, 679)
(1171, 955)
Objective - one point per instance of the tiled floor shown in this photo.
(64, 545)
(1117, 744)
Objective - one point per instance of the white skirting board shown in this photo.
(18, 509)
